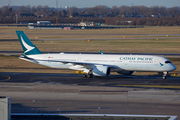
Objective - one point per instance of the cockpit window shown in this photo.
(168, 62)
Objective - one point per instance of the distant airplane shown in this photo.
(95, 64)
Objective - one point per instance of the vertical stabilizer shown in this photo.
(28, 47)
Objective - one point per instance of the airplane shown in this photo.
(95, 64)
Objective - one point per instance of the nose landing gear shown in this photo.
(164, 75)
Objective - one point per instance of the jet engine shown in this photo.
(101, 71)
(126, 72)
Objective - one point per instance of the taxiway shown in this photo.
(72, 94)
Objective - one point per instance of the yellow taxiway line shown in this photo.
(8, 78)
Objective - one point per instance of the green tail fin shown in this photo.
(28, 47)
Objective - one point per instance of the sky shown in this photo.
(91, 3)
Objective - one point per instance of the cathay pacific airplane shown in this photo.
(95, 64)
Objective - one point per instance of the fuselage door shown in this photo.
(79, 59)
(156, 62)
(125, 62)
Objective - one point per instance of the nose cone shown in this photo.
(173, 67)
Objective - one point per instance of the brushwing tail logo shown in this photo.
(29, 48)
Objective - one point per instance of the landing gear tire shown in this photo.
(87, 75)
(164, 77)
(84, 75)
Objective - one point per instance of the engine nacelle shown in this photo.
(101, 71)
(126, 72)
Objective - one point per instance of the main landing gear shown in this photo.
(164, 75)
(87, 75)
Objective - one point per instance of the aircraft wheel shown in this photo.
(84, 75)
(89, 75)
(164, 77)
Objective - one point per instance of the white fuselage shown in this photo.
(117, 63)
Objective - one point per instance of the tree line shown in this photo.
(123, 15)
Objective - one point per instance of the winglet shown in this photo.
(28, 47)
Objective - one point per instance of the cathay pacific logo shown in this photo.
(29, 48)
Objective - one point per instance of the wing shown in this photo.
(85, 64)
